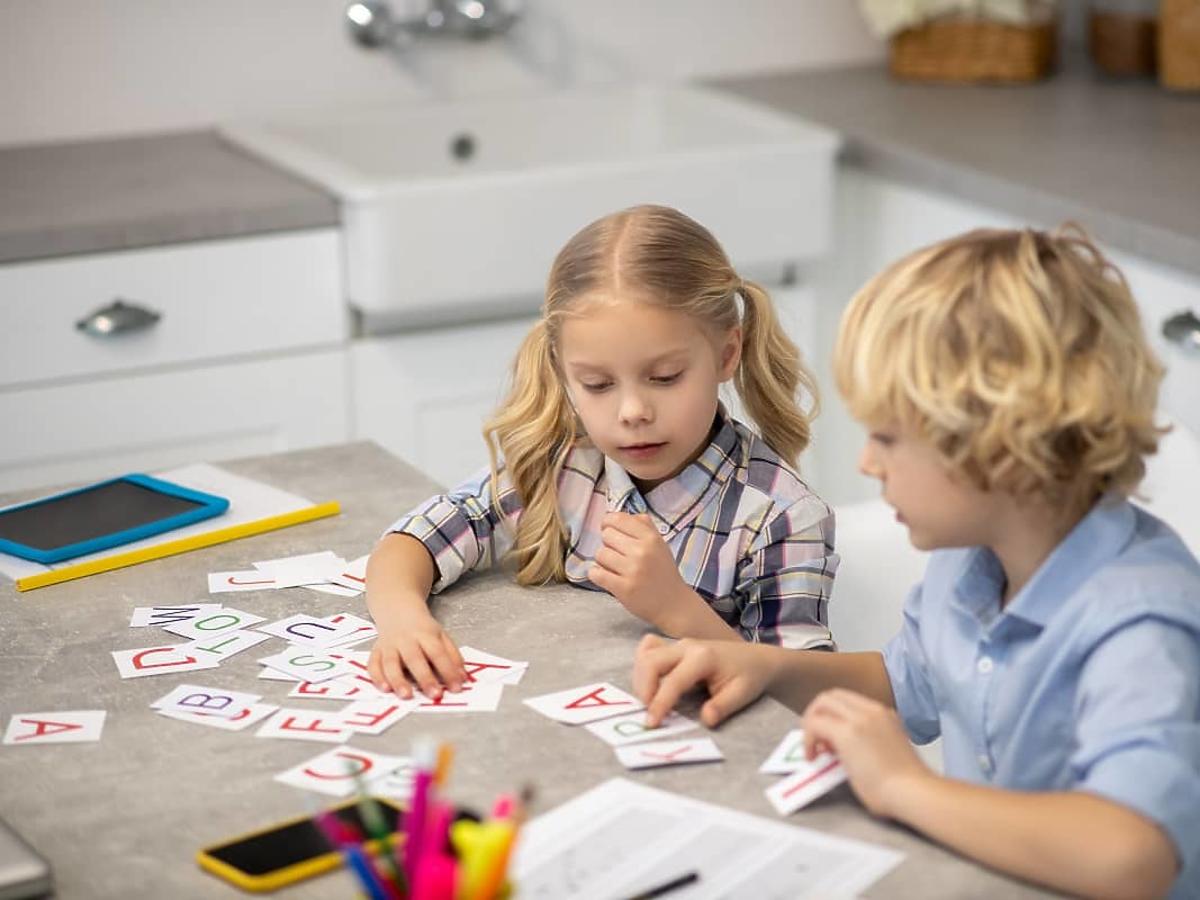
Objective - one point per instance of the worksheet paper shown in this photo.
(621, 838)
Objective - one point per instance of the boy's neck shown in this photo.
(1024, 535)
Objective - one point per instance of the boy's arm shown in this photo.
(1071, 841)
(736, 673)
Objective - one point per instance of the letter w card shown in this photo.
(589, 703)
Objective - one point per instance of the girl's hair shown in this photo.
(656, 255)
(1019, 355)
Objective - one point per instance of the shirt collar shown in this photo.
(1099, 536)
(678, 499)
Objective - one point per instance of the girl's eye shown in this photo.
(595, 387)
(666, 379)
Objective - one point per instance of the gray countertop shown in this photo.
(94, 196)
(1120, 157)
(123, 817)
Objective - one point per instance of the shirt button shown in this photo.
(663, 527)
(984, 665)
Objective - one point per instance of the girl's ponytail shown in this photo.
(770, 374)
(534, 426)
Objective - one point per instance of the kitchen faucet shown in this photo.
(372, 23)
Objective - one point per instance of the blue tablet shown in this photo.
(100, 516)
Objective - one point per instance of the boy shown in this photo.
(1054, 642)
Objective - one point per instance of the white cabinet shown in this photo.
(247, 356)
(425, 395)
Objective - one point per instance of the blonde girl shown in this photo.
(616, 468)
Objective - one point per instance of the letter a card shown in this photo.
(70, 727)
(589, 703)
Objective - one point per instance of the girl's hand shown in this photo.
(413, 644)
(735, 674)
(635, 565)
(871, 743)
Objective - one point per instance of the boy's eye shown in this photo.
(880, 437)
(666, 379)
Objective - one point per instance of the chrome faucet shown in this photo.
(372, 23)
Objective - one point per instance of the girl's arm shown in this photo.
(1070, 841)
(400, 573)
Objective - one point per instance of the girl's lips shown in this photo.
(642, 451)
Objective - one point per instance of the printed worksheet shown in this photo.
(624, 839)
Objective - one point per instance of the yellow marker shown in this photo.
(180, 545)
(445, 757)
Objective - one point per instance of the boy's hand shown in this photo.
(635, 565)
(735, 674)
(871, 743)
(414, 646)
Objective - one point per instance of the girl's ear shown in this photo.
(731, 352)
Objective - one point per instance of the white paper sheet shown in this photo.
(622, 838)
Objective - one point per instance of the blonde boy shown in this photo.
(1054, 642)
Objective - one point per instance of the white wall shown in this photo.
(77, 68)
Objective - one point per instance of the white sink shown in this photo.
(433, 235)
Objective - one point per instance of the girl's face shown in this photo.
(644, 381)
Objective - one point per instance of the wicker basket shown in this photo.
(971, 50)
(1179, 44)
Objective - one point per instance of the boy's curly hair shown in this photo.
(1019, 355)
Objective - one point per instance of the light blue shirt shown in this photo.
(1089, 680)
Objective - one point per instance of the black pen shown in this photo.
(668, 886)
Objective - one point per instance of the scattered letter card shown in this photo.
(250, 580)
(242, 719)
(158, 661)
(669, 753)
(71, 727)
(631, 729)
(212, 622)
(214, 701)
(223, 645)
(472, 698)
(589, 703)
(310, 631)
(376, 716)
(806, 784)
(788, 756)
(486, 668)
(167, 615)
(334, 772)
(306, 665)
(305, 725)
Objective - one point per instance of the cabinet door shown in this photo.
(110, 426)
(425, 395)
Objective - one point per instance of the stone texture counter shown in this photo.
(1122, 157)
(96, 196)
(123, 817)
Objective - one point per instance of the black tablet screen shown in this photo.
(89, 514)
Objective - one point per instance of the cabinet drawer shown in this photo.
(104, 427)
(214, 299)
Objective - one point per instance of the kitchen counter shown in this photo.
(123, 817)
(1120, 157)
(103, 195)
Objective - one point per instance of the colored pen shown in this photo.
(415, 825)
(668, 886)
(340, 836)
(377, 827)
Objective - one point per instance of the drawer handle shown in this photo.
(118, 317)
(1183, 329)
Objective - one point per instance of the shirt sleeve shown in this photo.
(1138, 728)
(462, 530)
(908, 671)
(782, 587)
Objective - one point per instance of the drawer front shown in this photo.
(109, 426)
(213, 299)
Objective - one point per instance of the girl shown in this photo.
(614, 466)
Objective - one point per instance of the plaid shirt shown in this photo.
(747, 534)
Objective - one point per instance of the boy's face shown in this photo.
(939, 509)
(644, 381)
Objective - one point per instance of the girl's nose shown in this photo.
(635, 409)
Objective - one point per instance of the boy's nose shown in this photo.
(868, 465)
